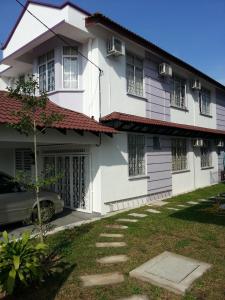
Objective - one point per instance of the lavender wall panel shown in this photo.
(220, 109)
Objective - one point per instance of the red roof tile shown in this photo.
(116, 116)
(71, 119)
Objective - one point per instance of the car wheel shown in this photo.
(47, 212)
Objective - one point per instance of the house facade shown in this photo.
(140, 124)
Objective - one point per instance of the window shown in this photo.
(134, 75)
(7, 185)
(156, 143)
(46, 70)
(70, 68)
(23, 160)
(136, 155)
(206, 159)
(204, 101)
(179, 154)
(178, 96)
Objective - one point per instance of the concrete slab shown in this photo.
(154, 211)
(110, 244)
(138, 215)
(112, 259)
(111, 235)
(181, 205)
(203, 200)
(127, 220)
(172, 208)
(158, 203)
(171, 271)
(192, 202)
(102, 279)
(136, 297)
(116, 226)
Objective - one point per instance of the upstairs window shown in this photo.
(178, 96)
(46, 70)
(134, 75)
(206, 158)
(136, 155)
(70, 68)
(179, 155)
(204, 101)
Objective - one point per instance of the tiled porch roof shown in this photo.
(71, 119)
(126, 122)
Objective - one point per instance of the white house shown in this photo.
(140, 124)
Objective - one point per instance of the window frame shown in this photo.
(179, 162)
(77, 59)
(207, 161)
(205, 113)
(137, 172)
(135, 57)
(182, 81)
(46, 63)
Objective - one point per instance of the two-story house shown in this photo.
(140, 124)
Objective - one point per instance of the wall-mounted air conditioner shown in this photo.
(196, 85)
(220, 143)
(198, 143)
(115, 47)
(165, 69)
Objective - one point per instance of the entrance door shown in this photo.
(73, 182)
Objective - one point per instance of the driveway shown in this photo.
(67, 217)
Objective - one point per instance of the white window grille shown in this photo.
(179, 154)
(136, 155)
(23, 160)
(178, 95)
(134, 67)
(70, 68)
(46, 71)
(206, 157)
(204, 101)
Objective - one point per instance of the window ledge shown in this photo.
(138, 177)
(207, 168)
(137, 96)
(65, 91)
(205, 115)
(185, 109)
(180, 171)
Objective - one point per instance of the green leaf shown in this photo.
(11, 281)
(41, 246)
(16, 262)
(5, 236)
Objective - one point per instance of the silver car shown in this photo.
(18, 204)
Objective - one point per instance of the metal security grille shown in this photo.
(179, 154)
(23, 160)
(79, 192)
(206, 157)
(179, 93)
(136, 155)
(204, 101)
(134, 71)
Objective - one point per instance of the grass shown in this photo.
(197, 232)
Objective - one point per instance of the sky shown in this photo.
(193, 30)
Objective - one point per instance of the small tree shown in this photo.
(33, 119)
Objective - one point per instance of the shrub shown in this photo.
(21, 262)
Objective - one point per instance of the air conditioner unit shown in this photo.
(115, 47)
(196, 85)
(198, 143)
(220, 143)
(165, 69)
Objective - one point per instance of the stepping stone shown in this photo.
(138, 215)
(172, 208)
(192, 202)
(116, 226)
(171, 271)
(127, 220)
(102, 279)
(136, 297)
(158, 203)
(112, 235)
(112, 259)
(203, 200)
(154, 211)
(110, 244)
(181, 205)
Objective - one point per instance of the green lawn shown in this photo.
(197, 232)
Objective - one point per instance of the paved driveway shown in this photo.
(66, 218)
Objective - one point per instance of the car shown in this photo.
(19, 204)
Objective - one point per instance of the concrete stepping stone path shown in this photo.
(113, 259)
(127, 220)
(136, 297)
(181, 205)
(158, 203)
(154, 211)
(203, 200)
(111, 235)
(110, 244)
(192, 202)
(102, 279)
(138, 215)
(172, 208)
(116, 226)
